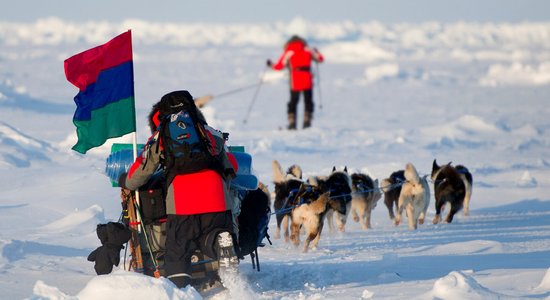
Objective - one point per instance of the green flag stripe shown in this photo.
(113, 120)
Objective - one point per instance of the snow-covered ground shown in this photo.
(471, 93)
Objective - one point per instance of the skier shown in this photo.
(297, 57)
(199, 217)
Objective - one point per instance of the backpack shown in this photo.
(152, 199)
(188, 146)
(253, 223)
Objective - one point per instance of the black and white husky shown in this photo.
(286, 186)
(450, 186)
(365, 195)
(338, 185)
(414, 197)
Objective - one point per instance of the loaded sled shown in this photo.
(146, 219)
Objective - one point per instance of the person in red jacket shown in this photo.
(297, 57)
(197, 204)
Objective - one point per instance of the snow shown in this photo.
(472, 93)
(517, 73)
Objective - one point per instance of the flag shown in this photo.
(105, 106)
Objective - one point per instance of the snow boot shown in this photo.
(227, 257)
(308, 116)
(291, 121)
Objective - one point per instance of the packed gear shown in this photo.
(253, 223)
(188, 147)
(158, 226)
(197, 172)
(184, 185)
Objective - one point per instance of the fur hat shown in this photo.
(184, 96)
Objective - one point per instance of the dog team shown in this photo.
(304, 205)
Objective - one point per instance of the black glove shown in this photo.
(269, 63)
(112, 236)
(118, 234)
(105, 257)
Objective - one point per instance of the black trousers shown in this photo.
(295, 97)
(187, 233)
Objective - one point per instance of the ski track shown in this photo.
(390, 255)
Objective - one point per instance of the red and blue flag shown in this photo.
(105, 105)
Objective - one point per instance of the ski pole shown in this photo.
(255, 95)
(156, 273)
(319, 85)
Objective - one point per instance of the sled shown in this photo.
(148, 235)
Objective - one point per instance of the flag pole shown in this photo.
(134, 143)
(134, 147)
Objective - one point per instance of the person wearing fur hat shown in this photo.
(196, 201)
(297, 57)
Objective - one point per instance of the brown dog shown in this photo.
(365, 195)
(449, 187)
(308, 213)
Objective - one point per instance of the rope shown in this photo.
(237, 90)
(290, 208)
(375, 189)
(290, 195)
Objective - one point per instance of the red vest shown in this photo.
(198, 193)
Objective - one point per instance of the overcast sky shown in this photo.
(224, 11)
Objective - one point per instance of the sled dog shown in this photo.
(308, 213)
(338, 185)
(466, 178)
(414, 197)
(365, 195)
(449, 186)
(286, 186)
(391, 187)
(468, 182)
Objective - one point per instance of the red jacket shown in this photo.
(297, 58)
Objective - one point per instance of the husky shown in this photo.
(308, 213)
(365, 195)
(391, 187)
(468, 181)
(466, 178)
(449, 186)
(338, 185)
(414, 197)
(286, 186)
